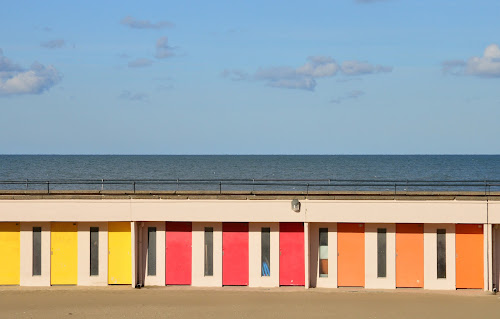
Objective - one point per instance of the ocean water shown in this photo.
(334, 167)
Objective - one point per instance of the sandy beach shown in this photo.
(184, 302)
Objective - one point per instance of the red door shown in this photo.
(235, 254)
(292, 268)
(178, 253)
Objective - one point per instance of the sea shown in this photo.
(248, 167)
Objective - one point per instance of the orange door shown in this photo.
(409, 255)
(351, 255)
(469, 256)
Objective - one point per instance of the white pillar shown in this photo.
(315, 280)
(26, 272)
(198, 249)
(430, 257)
(84, 277)
(159, 278)
(488, 271)
(372, 281)
(133, 232)
(306, 255)
(254, 252)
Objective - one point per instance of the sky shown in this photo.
(250, 77)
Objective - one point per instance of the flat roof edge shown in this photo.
(248, 195)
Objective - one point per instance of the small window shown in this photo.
(209, 251)
(265, 249)
(381, 252)
(151, 251)
(441, 253)
(37, 251)
(94, 251)
(323, 252)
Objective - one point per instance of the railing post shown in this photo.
(134, 187)
(220, 187)
(102, 184)
(26, 184)
(307, 190)
(48, 187)
(395, 192)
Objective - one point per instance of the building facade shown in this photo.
(429, 241)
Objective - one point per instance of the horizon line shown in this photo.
(250, 154)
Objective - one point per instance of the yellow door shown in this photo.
(120, 253)
(63, 254)
(10, 246)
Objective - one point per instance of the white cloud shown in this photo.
(305, 76)
(140, 63)
(163, 50)
(319, 67)
(53, 44)
(145, 24)
(487, 66)
(15, 80)
(360, 68)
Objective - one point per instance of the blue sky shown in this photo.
(255, 77)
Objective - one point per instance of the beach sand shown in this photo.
(235, 302)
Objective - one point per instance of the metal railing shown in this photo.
(251, 185)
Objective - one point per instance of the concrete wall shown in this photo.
(198, 271)
(372, 281)
(27, 278)
(259, 213)
(383, 211)
(65, 210)
(255, 271)
(84, 277)
(430, 256)
(316, 280)
(159, 278)
(366, 211)
(494, 212)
